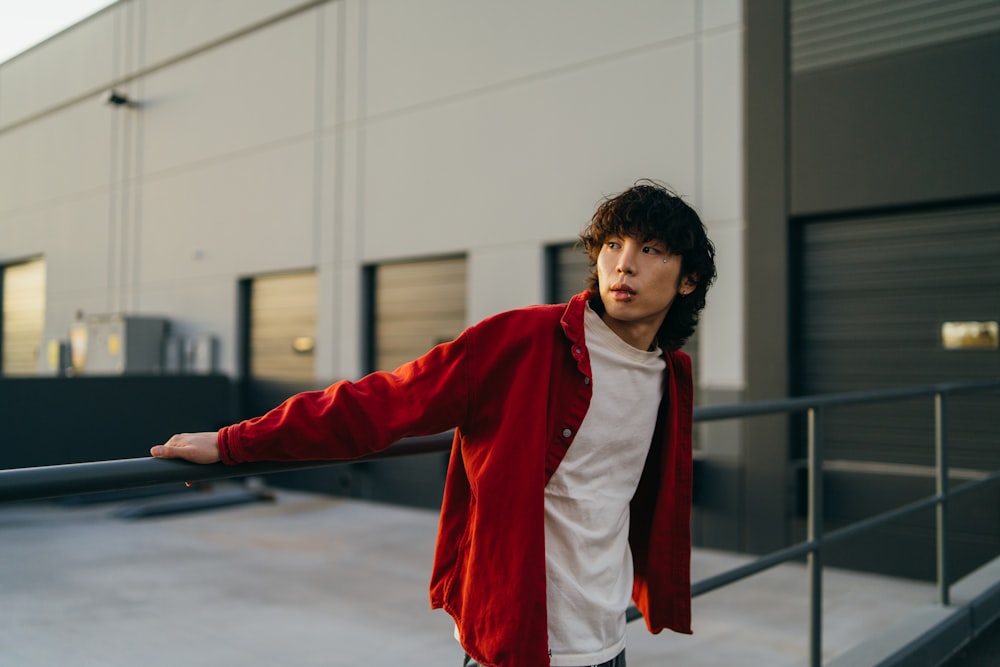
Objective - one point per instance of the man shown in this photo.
(569, 487)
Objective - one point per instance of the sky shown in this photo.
(24, 23)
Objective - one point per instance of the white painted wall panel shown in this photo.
(178, 26)
(444, 127)
(341, 68)
(75, 242)
(720, 333)
(251, 92)
(344, 217)
(249, 214)
(349, 341)
(22, 235)
(76, 245)
(527, 162)
(720, 14)
(423, 51)
(54, 71)
(721, 346)
(722, 126)
(500, 278)
(198, 306)
(58, 155)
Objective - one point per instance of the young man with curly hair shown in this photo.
(568, 492)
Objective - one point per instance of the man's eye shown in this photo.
(650, 250)
(614, 245)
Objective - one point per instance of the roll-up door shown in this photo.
(283, 328)
(278, 329)
(874, 295)
(23, 300)
(417, 306)
(413, 307)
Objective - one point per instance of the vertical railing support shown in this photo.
(815, 536)
(941, 488)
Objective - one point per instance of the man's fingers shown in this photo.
(166, 451)
(194, 447)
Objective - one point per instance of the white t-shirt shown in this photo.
(588, 561)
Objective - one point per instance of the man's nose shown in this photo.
(626, 259)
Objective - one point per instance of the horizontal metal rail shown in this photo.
(800, 549)
(804, 403)
(81, 478)
(905, 510)
(22, 484)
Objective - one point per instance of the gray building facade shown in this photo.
(308, 190)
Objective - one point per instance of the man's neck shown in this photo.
(640, 335)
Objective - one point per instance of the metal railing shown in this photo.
(816, 538)
(75, 479)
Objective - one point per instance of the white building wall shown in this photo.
(277, 136)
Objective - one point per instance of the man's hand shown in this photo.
(194, 447)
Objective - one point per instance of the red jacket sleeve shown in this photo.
(352, 419)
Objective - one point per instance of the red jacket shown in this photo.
(515, 388)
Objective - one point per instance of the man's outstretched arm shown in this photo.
(195, 447)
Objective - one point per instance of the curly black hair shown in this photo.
(650, 211)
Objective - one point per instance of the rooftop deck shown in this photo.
(314, 580)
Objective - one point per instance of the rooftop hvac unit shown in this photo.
(118, 345)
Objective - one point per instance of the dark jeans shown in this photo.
(618, 661)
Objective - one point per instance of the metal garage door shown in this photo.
(283, 327)
(873, 296)
(417, 305)
(23, 316)
(277, 330)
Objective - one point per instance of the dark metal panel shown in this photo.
(825, 34)
(914, 127)
(569, 271)
(53, 421)
(875, 291)
(766, 479)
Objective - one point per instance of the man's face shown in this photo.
(638, 281)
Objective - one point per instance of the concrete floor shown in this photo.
(313, 580)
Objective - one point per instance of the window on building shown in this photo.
(23, 316)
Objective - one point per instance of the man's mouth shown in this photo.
(622, 292)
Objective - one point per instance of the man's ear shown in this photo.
(688, 284)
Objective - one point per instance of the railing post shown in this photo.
(941, 510)
(815, 535)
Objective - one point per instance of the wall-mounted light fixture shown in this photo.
(970, 335)
(117, 98)
(303, 345)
